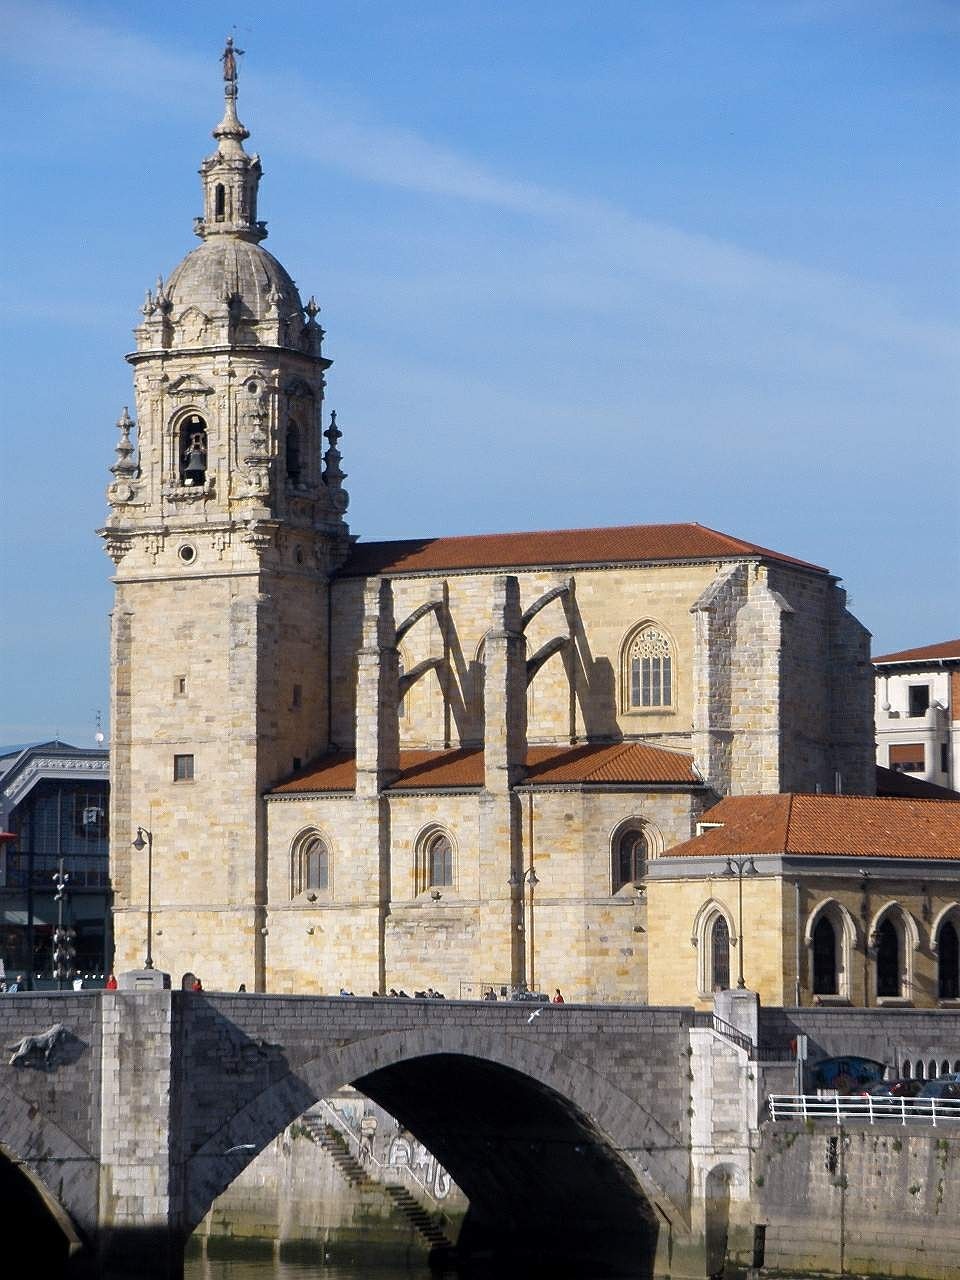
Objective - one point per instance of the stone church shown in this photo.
(436, 762)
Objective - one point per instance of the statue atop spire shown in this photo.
(229, 60)
(231, 176)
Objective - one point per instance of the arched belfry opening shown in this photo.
(192, 452)
(546, 1188)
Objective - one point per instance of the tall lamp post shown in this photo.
(143, 841)
(740, 867)
(63, 950)
(530, 879)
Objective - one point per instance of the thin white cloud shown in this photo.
(610, 242)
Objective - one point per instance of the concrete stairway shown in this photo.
(337, 1147)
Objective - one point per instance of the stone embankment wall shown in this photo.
(297, 1199)
(882, 1200)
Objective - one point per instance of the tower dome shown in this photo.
(225, 269)
(229, 291)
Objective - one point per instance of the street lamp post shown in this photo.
(143, 841)
(63, 951)
(740, 867)
(530, 879)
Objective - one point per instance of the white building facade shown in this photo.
(918, 712)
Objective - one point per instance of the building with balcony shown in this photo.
(918, 713)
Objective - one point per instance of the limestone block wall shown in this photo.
(880, 1200)
(678, 949)
(578, 935)
(599, 615)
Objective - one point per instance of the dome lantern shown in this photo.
(230, 176)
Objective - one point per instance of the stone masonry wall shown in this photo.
(880, 1200)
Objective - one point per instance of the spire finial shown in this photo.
(230, 133)
(229, 60)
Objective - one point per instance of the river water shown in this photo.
(269, 1269)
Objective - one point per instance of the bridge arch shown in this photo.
(27, 1203)
(534, 1137)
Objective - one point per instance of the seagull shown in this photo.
(536, 1014)
(241, 1146)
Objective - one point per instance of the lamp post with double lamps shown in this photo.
(740, 867)
(144, 840)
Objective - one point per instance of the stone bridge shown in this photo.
(591, 1132)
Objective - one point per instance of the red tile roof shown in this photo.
(622, 762)
(926, 653)
(627, 544)
(860, 826)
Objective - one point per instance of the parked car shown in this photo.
(904, 1088)
(848, 1074)
(941, 1089)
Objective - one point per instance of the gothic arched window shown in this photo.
(719, 955)
(435, 863)
(824, 958)
(888, 959)
(629, 857)
(310, 864)
(648, 674)
(948, 962)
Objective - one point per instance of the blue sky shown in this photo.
(633, 262)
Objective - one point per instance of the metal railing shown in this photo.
(873, 1109)
(387, 1172)
(722, 1028)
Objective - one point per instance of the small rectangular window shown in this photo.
(908, 757)
(183, 768)
(297, 695)
(297, 762)
(918, 699)
(180, 686)
(944, 757)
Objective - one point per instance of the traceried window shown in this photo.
(629, 858)
(648, 674)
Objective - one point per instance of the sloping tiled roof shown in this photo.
(622, 762)
(861, 826)
(893, 782)
(625, 544)
(926, 653)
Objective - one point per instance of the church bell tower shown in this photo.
(226, 520)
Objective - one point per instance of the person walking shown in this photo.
(110, 984)
(557, 998)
